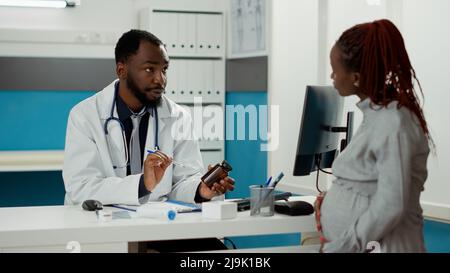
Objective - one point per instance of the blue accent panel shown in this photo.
(36, 120)
(275, 240)
(249, 166)
(31, 189)
(437, 237)
(248, 161)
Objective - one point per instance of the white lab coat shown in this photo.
(88, 166)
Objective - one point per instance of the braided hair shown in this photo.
(377, 51)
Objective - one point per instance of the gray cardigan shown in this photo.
(379, 178)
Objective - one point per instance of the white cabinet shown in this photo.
(195, 43)
(187, 33)
(191, 78)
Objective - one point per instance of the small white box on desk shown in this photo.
(219, 210)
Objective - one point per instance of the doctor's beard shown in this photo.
(140, 94)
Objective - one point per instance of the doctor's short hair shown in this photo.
(128, 44)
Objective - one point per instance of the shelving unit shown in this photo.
(195, 42)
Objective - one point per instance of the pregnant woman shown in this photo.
(374, 199)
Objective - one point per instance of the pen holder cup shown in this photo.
(261, 201)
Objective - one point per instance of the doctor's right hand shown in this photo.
(154, 167)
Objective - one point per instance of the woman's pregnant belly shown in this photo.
(343, 204)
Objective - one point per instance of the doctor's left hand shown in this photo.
(218, 188)
(154, 167)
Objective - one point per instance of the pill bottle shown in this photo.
(218, 172)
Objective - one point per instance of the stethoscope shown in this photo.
(124, 139)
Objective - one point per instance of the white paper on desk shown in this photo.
(121, 215)
(179, 206)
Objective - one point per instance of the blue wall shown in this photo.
(250, 167)
(31, 189)
(34, 120)
(437, 237)
(250, 163)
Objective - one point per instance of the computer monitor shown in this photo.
(318, 139)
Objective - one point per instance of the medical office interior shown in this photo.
(255, 54)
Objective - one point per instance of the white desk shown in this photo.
(51, 228)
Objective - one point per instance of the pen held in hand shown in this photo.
(181, 164)
(177, 163)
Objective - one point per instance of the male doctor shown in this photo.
(109, 134)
